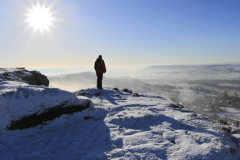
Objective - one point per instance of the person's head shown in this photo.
(100, 56)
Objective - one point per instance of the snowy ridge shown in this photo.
(121, 126)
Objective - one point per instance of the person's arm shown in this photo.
(104, 67)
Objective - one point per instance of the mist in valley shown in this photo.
(208, 89)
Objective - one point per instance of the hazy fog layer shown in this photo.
(206, 88)
(76, 78)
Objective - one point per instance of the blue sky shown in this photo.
(124, 32)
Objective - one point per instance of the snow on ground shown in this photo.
(121, 126)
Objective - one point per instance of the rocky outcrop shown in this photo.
(40, 78)
(23, 75)
(23, 106)
(26, 101)
(48, 114)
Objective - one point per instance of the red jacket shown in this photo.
(103, 70)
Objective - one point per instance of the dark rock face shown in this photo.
(40, 78)
(30, 79)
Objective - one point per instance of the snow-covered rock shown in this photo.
(23, 105)
(23, 75)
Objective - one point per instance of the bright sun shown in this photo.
(40, 17)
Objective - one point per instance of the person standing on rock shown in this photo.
(100, 68)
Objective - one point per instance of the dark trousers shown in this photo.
(99, 80)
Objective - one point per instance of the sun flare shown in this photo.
(40, 17)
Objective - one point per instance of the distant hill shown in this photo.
(192, 72)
